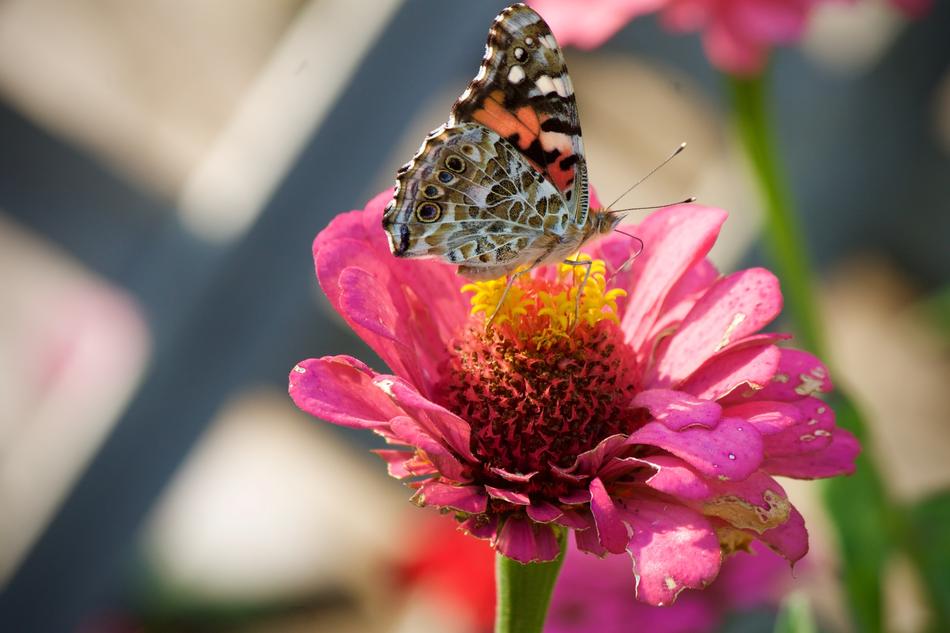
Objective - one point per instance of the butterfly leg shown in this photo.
(577, 299)
(504, 295)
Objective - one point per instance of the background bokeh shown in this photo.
(164, 166)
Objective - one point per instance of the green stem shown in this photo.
(782, 232)
(524, 591)
(865, 519)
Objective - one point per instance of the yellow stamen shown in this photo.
(543, 310)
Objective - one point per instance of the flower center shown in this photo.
(537, 389)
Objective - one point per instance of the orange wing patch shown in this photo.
(546, 151)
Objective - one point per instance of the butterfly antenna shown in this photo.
(657, 206)
(679, 149)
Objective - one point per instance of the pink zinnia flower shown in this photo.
(653, 427)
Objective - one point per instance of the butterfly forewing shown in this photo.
(524, 93)
(503, 184)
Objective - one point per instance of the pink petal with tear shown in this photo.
(678, 409)
(799, 374)
(673, 548)
(837, 458)
(745, 369)
(735, 307)
(733, 450)
(809, 435)
(756, 504)
(789, 539)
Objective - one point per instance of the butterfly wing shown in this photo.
(471, 198)
(524, 93)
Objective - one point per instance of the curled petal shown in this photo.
(439, 422)
(470, 499)
(406, 430)
(731, 451)
(673, 548)
(402, 464)
(481, 526)
(674, 477)
(610, 526)
(525, 541)
(789, 539)
(340, 389)
(517, 498)
(678, 409)
(590, 462)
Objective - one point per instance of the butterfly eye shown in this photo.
(446, 177)
(455, 163)
(428, 212)
(431, 191)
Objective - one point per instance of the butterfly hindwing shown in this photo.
(524, 93)
(472, 199)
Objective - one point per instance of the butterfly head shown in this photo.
(606, 221)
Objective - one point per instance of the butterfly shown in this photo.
(501, 187)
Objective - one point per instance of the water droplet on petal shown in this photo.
(732, 456)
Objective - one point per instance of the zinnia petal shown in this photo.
(674, 239)
(525, 541)
(678, 409)
(340, 389)
(673, 548)
(733, 450)
(735, 307)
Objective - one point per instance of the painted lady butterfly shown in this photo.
(503, 184)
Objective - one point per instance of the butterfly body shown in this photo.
(503, 184)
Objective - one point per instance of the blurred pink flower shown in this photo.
(653, 428)
(737, 34)
(596, 595)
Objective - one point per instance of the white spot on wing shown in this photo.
(545, 84)
(562, 88)
(516, 74)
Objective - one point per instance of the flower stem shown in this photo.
(524, 591)
(864, 516)
(782, 231)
